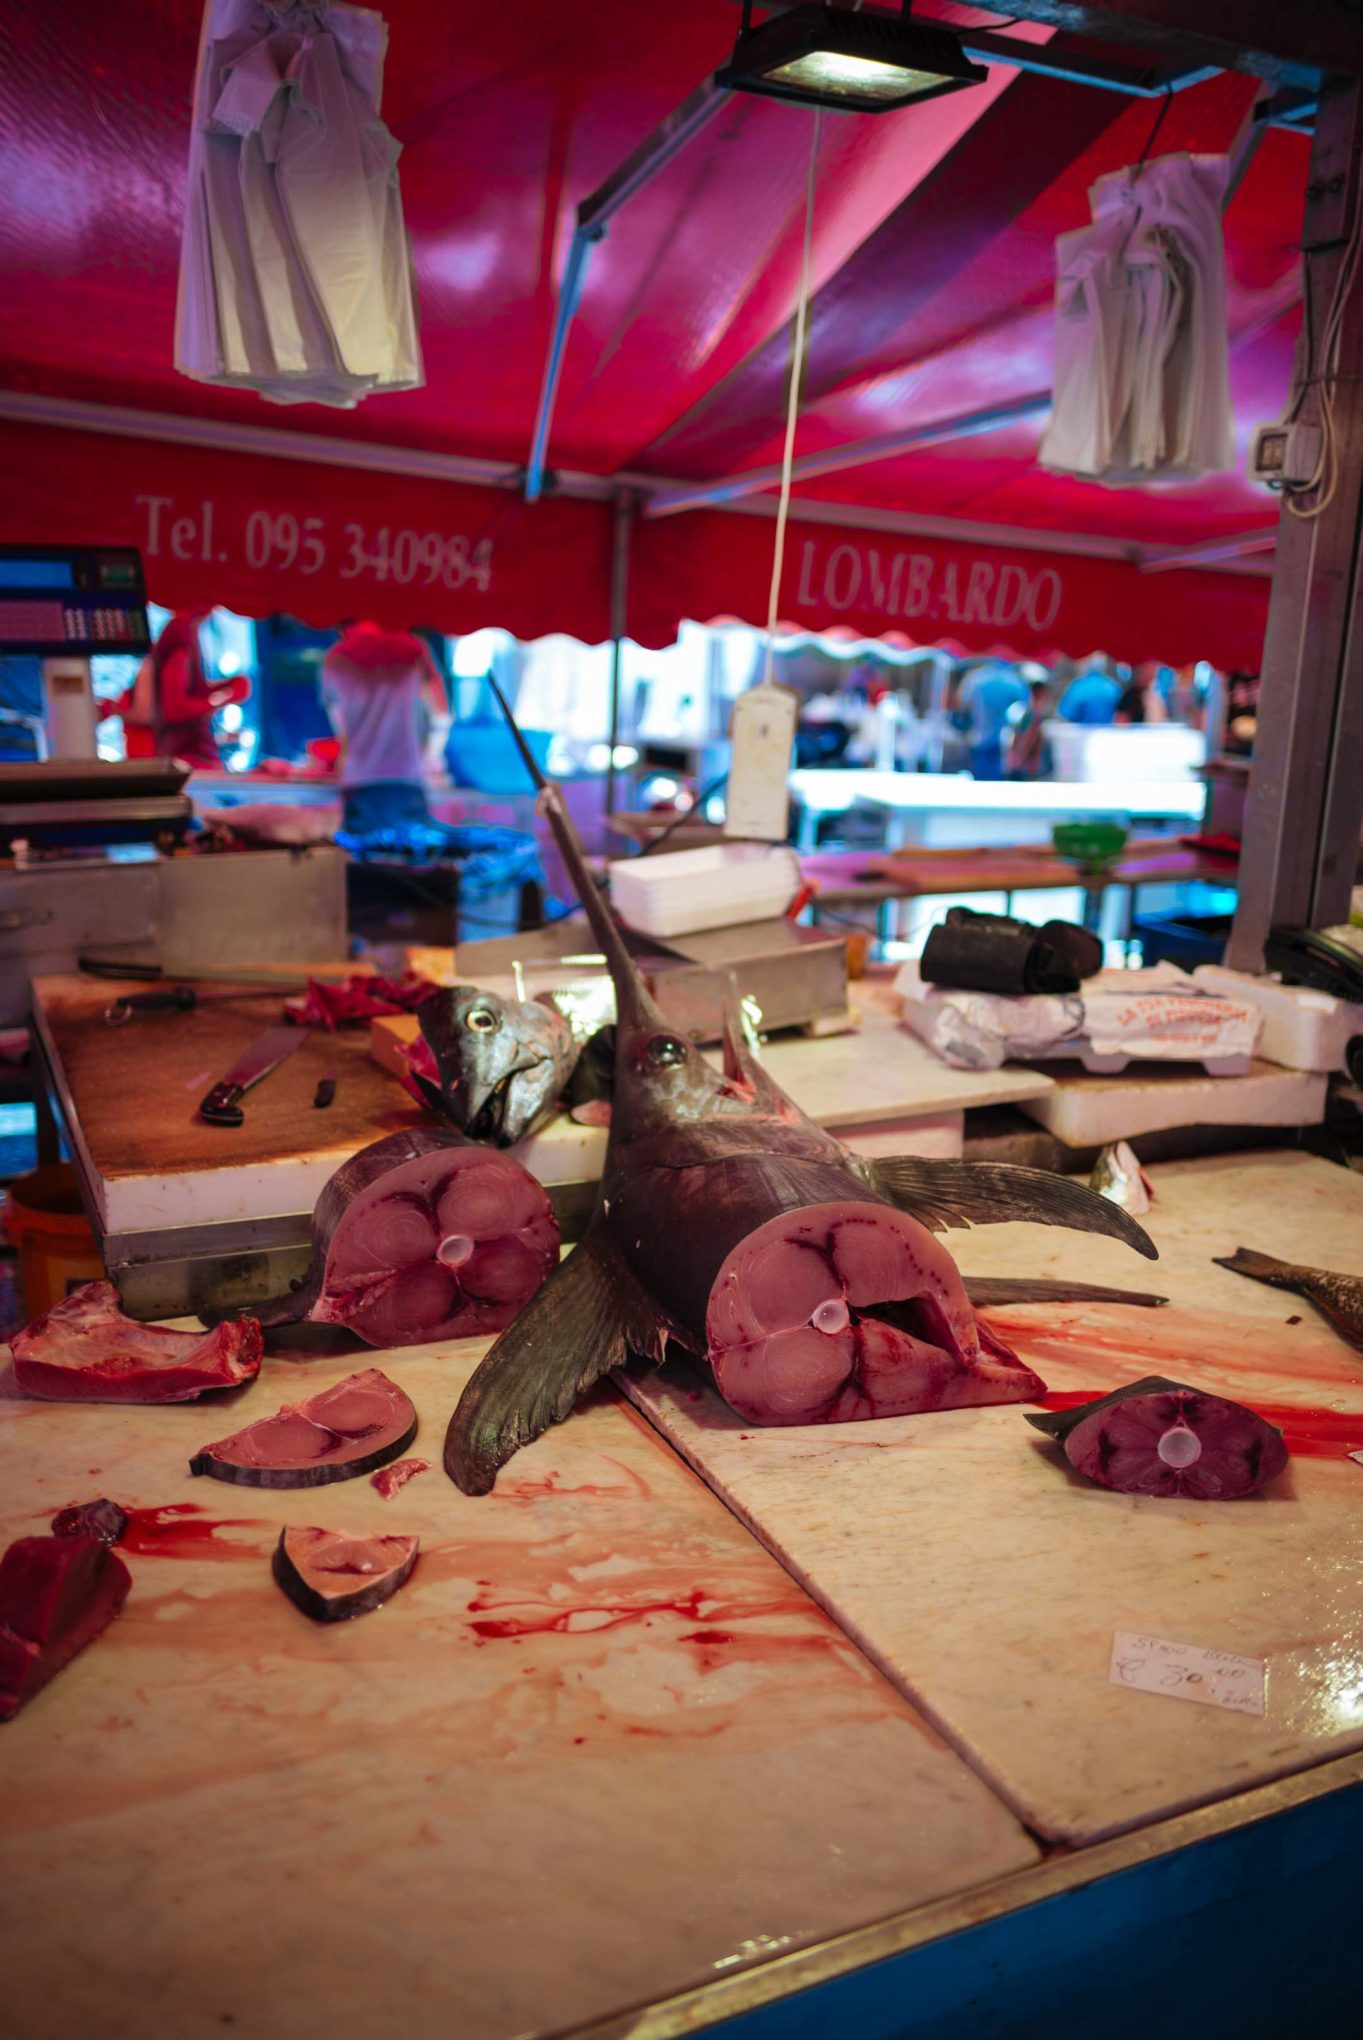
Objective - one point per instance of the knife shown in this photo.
(222, 1106)
(179, 999)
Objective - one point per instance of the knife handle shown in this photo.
(222, 1106)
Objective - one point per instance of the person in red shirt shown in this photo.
(184, 700)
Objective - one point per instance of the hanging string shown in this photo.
(797, 368)
(1153, 135)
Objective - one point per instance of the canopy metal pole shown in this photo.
(1304, 814)
(621, 528)
(593, 217)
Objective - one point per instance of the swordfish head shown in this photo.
(500, 1064)
(662, 1082)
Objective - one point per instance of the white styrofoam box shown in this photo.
(1090, 1111)
(1303, 1029)
(720, 886)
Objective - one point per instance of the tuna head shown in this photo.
(500, 1063)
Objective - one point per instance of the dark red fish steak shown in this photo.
(332, 1576)
(1160, 1437)
(360, 1424)
(424, 1236)
(85, 1350)
(56, 1595)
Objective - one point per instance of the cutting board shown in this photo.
(135, 1090)
(987, 1579)
(600, 1749)
(1088, 1111)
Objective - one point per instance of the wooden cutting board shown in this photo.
(600, 1749)
(987, 1579)
(136, 1091)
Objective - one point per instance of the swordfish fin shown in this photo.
(942, 1194)
(589, 1316)
(741, 1062)
(995, 1292)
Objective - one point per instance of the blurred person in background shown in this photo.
(1145, 700)
(991, 696)
(168, 712)
(382, 689)
(1091, 697)
(1029, 754)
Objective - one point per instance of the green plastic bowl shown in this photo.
(1090, 845)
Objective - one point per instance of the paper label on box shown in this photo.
(1185, 1671)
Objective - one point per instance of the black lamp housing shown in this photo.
(863, 62)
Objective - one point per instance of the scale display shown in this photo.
(80, 599)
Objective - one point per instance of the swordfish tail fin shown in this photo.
(1259, 1267)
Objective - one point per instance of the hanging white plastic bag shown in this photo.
(295, 273)
(1142, 356)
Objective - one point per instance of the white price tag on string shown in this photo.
(757, 803)
(1358, 1456)
(1184, 1671)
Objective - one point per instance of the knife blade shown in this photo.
(222, 1105)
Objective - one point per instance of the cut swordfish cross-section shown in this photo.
(424, 1236)
(834, 1312)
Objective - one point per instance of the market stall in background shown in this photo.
(681, 778)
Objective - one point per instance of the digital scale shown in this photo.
(65, 605)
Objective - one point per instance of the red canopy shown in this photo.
(933, 263)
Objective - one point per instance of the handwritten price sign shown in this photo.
(1184, 1671)
(277, 541)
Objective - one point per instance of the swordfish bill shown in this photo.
(727, 1221)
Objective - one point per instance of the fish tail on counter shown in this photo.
(991, 1292)
(1260, 1267)
(589, 1317)
(943, 1194)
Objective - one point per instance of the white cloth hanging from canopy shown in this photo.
(1142, 355)
(295, 269)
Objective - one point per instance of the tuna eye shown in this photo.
(664, 1052)
(481, 1021)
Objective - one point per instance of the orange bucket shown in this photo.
(56, 1247)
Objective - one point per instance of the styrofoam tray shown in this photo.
(719, 886)
(1303, 1029)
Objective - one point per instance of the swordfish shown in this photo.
(727, 1222)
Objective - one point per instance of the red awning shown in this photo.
(933, 264)
(260, 535)
(974, 598)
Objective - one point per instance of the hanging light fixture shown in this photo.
(865, 61)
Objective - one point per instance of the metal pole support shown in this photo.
(1304, 813)
(621, 528)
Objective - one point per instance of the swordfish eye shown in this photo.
(665, 1052)
(481, 1020)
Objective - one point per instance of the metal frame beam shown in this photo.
(1211, 551)
(594, 215)
(1304, 814)
(667, 502)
